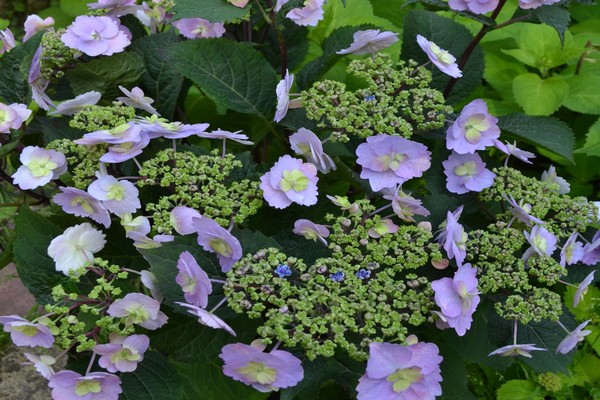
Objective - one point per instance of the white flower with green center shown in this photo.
(12, 116)
(39, 167)
(138, 309)
(122, 354)
(75, 247)
(541, 240)
(93, 386)
(118, 196)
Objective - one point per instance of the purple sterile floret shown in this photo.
(541, 240)
(122, 354)
(199, 28)
(25, 333)
(97, 36)
(582, 288)
(82, 204)
(370, 41)
(305, 143)
(404, 205)
(34, 24)
(309, 15)
(445, 61)
(207, 318)
(571, 340)
(139, 309)
(391, 160)
(283, 95)
(290, 181)
(401, 372)
(159, 127)
(42, 364)
(118, 196)
(516, 350)
(530, 4)
(550, 176)
(458, 297)
(227, 135)
(181, 219)
(474, 129)
(283, 271)
(136, 98)
(40, 166)
(591, 251)
(70, 385)
(265, 372)
(474, 6)
(121, 152)
(466, 173)
(193, 280)
(124, 133)
(454, 238)
(513, 150)
(70, 107)
(521, 211)
(572, 251)
(311, 231)
(216, 239)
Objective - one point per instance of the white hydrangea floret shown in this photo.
(76, 246)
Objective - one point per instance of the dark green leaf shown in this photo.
(451, 36)
(14, 70)
(454, 374)
(36, 269)
(10, 146)
(308, 388)
(554, 15)
(547, 132)
(296, 43)
(105, 74)
(155, 378)
(53, 128)
(161, 81)
(230, 73)
(212, 10)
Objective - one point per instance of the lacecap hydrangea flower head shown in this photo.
(97, 36)
(290, 181)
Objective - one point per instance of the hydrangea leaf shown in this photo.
(539, 96)
(14, 70)
(518, 389)
(556, 16)
(549, 133)
(584, 96)
(155, 378)
(592, 141)
(449, 35)
(228, 72)
(212, 10)
(160, 81)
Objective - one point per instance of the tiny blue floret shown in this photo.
(283, 270)
(338, 276)
(363, 274)
(370, 98)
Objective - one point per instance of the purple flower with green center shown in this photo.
(115, 7)
(13, 116)
(404, 205)
(337, 276)
(454, 238)
(97, 36)
(216, 239)
(151, 283)
(25, 333)
(138, 224)
(550, 176)
(458, 298)
(401, 372)
(199, 28)
(82, 204)
(193, 280)
(541, 240)
(530, 4)
(120, 152)
(591, 251)
(569, 342)
(306, 143)
(69, 385)
(122, 354)
(363, 274)
(474, 129)
(73, 106)
(124, 133)
(34, 24)
(159, 127)
(227, 135)
(370, 41)
(207, 318)
(445, 61)
(516, 350)
(138, 309)
(38, 83)
(521, 211)
(290, 181)
(513, 150)
(40, 166)
(391, 160)
(572, 251)
(283, 270)
(383, 227)
(7, 41)
(582, 288)
(42, 364)
(466, 173)
(142, 241)
(474, 6)
(283, 96)
(181, 219)
(309, 15)
(136, 98)
(265, 372)
(311, 231)
(118, 196)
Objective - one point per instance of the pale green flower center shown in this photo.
(293, 180)
(79, 201)
(391, 161)
(189, 285)
(259, 372)
(442, 55)
(540, 243)
(220, 247)
(137, 314)
(42, 166)
(125, 354)
(381, 228)
(466, 169)
(26, 330)
(3, 116)
(403, 378)
(476, 124)
(116, 192)
(303, 148)
(87, 386)
(117, 131)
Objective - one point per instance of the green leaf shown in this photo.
(549, 133)
(160, 81)
(36, 269)
(451, 36)
(584, 96)
(592, 141)
(155, 378)
(74, 8)
(539, 96)
(14, 70)
(556, 16)
(296, 43)
(105, 74)
(53, 128)
(212, 10)
(518, 389)
(230, 73)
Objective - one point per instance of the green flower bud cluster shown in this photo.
(96, 118)
(77, 319)
(397, 100)
(550, 381)
(55, 55)
(536, 305)
(202, 182)
(82, 161)
(369, 289)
